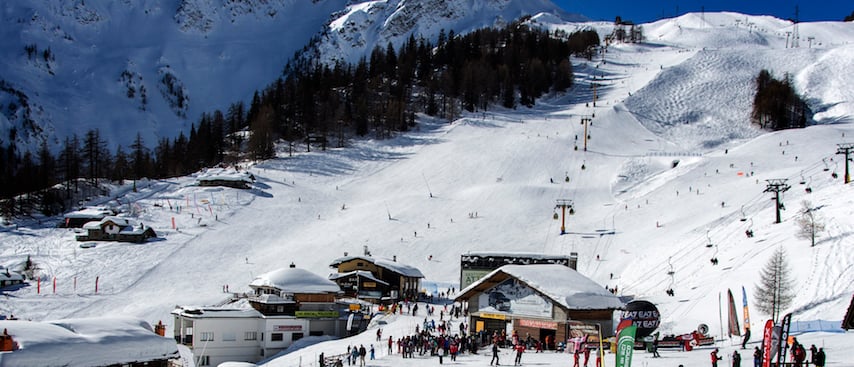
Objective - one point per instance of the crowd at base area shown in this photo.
(798, 356)
(439, 341)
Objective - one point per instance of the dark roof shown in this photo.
(359, 273)
(393, 265)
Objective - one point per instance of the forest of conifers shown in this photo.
(317, 105)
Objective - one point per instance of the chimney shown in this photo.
(394, 258)
(160, 329)
(345, 253)
(573, 260)
(292, 265)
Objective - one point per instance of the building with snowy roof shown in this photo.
(545, 301)
(285, 305)
(474, 265)
(225, 177)
(376, 278)
(10, 278)
(106, 341)
(78, 218)
(116, 229)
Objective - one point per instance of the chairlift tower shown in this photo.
(563, 204)
(586, 120)
(795, 30)
(777, 185)
(845, 148)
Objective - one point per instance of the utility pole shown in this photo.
(563, 204)
(777, 185)
(845, 148)
(586, 120)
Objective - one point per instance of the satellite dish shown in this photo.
(703, 329)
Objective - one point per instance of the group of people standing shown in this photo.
(799, 356)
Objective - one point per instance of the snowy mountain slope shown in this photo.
(677, 100)
(365, 25)
(154, 66)
(489, 181)
(190, 57)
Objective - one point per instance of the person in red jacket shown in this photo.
(799, 354)
(520, 348)
(715, 358)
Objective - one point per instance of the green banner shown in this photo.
(625, 346)
(316, 314)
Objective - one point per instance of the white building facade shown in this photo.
(217, 335)
(286, 305)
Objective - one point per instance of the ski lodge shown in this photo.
(376, 280)
(545, 301)
(225, 177)
(474, 265)
(285, 305)
(78, 218)
(9, 278)
(116, 229)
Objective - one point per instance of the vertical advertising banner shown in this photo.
(733, 315)
(746, 313)
(625, 346)
(767, 338)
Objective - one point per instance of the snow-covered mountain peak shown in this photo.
(675, 174)
(365, 25)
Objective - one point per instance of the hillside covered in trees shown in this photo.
(317, 104)
(777, 105)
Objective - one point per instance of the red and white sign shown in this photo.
(287, 327)
(538, 324)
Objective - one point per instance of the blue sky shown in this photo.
(642, 11)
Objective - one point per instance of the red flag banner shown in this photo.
(767, 337)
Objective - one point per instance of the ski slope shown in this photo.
(489, 181)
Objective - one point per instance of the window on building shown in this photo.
(204, 361)
(280, 308)
(296, 336)
(229, 336)
(250, 335)
(276, 337)
(207, 336)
